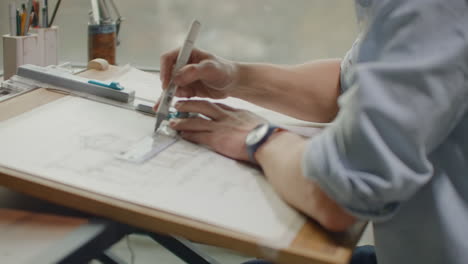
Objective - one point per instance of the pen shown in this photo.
(36, 12)
(54, 13)
(44, 18)
(12, 8)
(184, 54)
(45, 14)
(28, 14)
(18, 23)
(116, 10)
(105, 18)
(96, 15)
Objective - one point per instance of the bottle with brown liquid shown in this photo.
(102, 42)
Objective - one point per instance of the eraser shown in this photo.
(98, 64)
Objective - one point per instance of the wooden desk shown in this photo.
(312, 245)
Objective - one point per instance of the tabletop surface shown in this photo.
(312, 242)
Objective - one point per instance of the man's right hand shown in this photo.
(205, 75)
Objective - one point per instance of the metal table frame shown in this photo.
(93, 241)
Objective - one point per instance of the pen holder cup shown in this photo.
(39, 48)
(48, 45)
(102, 42)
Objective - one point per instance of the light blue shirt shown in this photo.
(397, 153)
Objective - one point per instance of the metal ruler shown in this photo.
(147, 148)
(72, 82)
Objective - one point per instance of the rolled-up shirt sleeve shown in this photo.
(408, 91)
(347, 64)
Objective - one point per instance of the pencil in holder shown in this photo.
(40, 47)
(102, 42)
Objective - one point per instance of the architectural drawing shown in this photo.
(185, 179)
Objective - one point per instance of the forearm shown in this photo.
(307, 91)
(280, 157)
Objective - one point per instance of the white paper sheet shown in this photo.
(146, 85)
(74, 141)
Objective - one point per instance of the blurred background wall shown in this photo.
(275, 31)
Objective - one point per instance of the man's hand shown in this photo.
(225, 132)
(205, 75)
(280, 157)
(308, 91)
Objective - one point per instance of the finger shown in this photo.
(226, 107)
(191, 90)
(169, 59)
(156, 105)
(206, 70)
(203, 107)
(167, 63)
(185, 92)
(202, 138)
(198, 55)
(187, 75)
(191, 124)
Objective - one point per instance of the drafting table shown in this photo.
(36, 237)
(35, 231)
(311, 245)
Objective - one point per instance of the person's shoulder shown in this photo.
(410, 28)
(417, 6)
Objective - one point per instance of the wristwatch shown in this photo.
(257, 137)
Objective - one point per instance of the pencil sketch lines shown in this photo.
(101, 142)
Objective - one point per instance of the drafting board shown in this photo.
(311, 242)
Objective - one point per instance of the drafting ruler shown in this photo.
(147, 148)
(73, 83)
(150, 146)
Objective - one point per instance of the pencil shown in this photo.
(45, 17)
(23, 22)
(54, 13)
(28, 16)
(12, 17)
(18, 23)
(37, 14)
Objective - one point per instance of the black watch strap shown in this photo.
(252, 149)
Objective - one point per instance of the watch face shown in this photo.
(256, 135)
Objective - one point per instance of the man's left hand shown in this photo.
(226, 130)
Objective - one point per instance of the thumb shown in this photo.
(156, 105)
